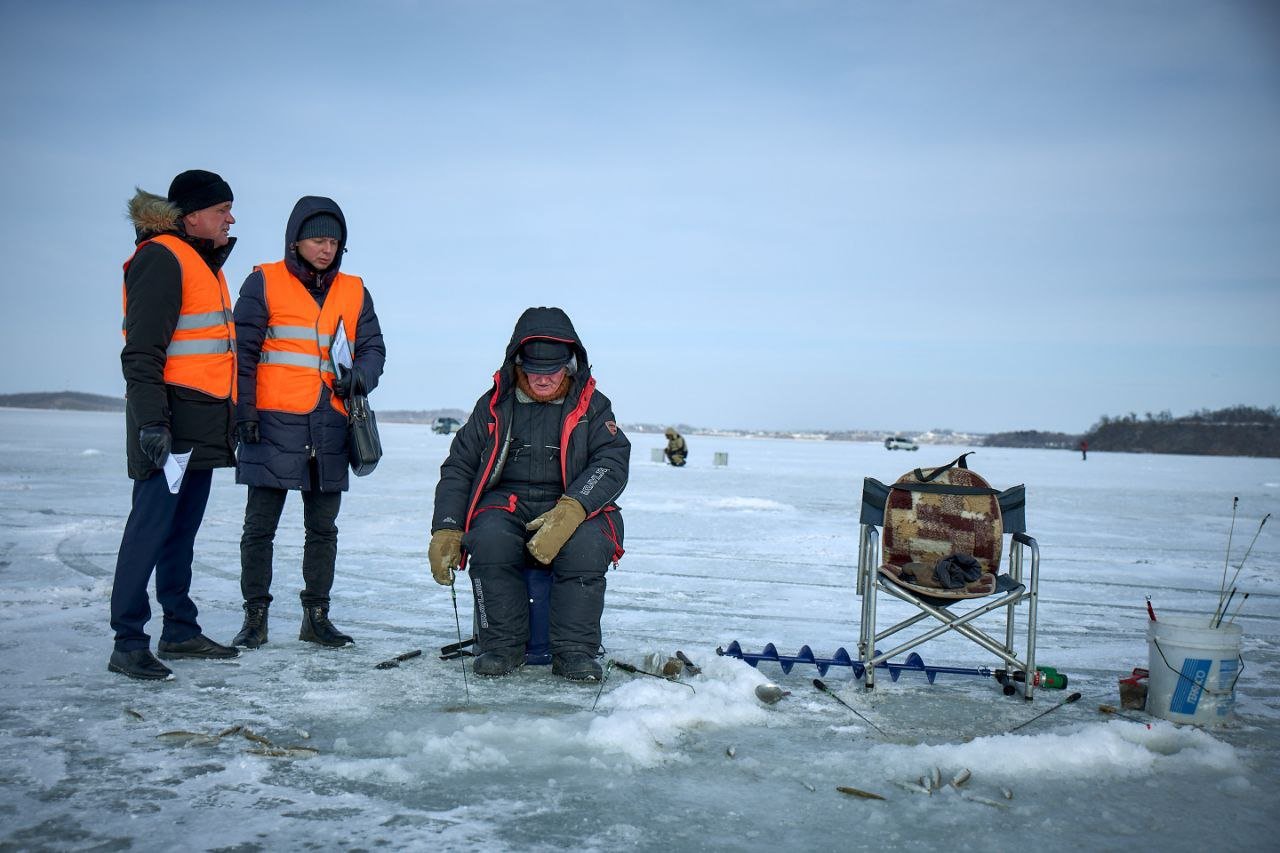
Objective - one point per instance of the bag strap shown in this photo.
(938, 472)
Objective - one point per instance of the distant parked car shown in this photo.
(444, 426)
(897, 442)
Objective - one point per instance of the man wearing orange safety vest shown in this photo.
(292, 415)
(179, 364)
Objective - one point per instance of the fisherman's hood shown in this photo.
(548, 324)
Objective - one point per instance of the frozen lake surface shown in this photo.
(763, 550)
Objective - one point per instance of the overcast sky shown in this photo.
(910, 215)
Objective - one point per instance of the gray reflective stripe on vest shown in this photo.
(200, 321)
(198, 347)
(301, 333)
(297, 333)
(295, 359)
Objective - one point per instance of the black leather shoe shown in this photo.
(198, 647)
(139, 663)
(576, 666)
(498, 662)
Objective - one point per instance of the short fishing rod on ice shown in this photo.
(453, 593)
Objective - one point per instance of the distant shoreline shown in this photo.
(1234, 431)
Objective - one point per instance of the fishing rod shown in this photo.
(1239, 607)
(1222, 589)
(818, 683)
(395, 661)
(633, 670)
(453, 593)
(1248, 551)
(1218, 616)
(608, 667)
(1073, 697)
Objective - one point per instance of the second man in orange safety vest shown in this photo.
(291, 415)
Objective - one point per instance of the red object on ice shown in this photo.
(1150, 611)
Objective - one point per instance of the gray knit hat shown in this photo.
(321, 225)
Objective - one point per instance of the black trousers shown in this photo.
(319, 549)
(160, 534)
(496, 554)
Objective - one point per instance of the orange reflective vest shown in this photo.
(295, 359)
(202, 352)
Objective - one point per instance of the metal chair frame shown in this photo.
(871, 581)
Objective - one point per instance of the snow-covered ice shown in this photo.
(762, 550)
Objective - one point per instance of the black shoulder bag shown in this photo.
(364, 447)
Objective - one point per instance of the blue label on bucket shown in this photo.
(1227, 684)
(1186, 696)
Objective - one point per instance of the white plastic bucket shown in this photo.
(720, 460)
(657, 454)
(1193, 669)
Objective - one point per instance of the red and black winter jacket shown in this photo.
(594, 452)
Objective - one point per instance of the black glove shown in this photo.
(155, 441)
(248, 432)
(347, 382)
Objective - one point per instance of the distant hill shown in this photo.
(1234, 431)
(68, 400)
(1032, 438)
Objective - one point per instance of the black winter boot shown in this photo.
(495, 662)
(254, 631)
(316, 628)
(576, 666)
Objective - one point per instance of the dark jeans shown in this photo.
(160, 534)
(319, 549)
(496, 554)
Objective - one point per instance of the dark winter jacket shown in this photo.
(153, 286)
(280, 459)
(594, 452)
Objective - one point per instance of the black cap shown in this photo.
(197, 189)
(321, 225)
(544, 357)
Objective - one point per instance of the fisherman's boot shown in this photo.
(254, 631)
(497, 662)
(316, 628)
(576, 666)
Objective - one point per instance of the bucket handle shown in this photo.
(1206, 689)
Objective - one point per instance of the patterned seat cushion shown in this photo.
(921, 528)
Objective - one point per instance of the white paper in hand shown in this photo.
(340, 349)
(174, 467)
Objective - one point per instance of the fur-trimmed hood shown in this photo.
(153, 214)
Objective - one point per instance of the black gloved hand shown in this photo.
(156, 442)
(347, 382)
(247, 431)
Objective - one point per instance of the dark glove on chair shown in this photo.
(554, 527)
(248, 432)
(347, 382)
(156, 442)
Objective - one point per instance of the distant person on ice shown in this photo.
(677, 450)
(292, 415)
(179, 363)
(537, 468)
(1084, 450)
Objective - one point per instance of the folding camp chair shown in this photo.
(929, 515)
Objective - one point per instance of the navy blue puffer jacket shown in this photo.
(280, 459)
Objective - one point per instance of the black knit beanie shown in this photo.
(197, 189)
(321, 225)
